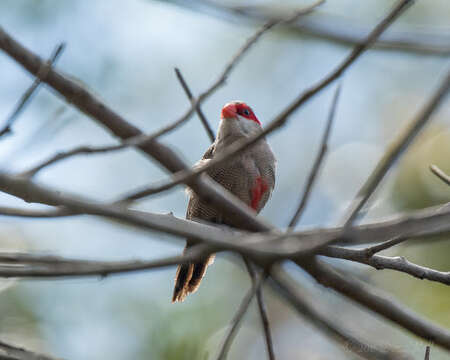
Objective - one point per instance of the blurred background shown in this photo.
(126, 53)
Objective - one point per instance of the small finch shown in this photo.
(249, 175)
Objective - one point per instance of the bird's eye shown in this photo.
(246, 112)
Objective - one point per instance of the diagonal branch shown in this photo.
(307, 307)
(317, 163)
(237, 319)
(11, 352)
(371, 250)
(396, 149)
(66, 154)
(262, 310)
(398, 263)
(427, 353)
(440, 174)
(198, 109)
(31, 90)
(378, 302)
(51, 213)
(35, 266)
(331, 28)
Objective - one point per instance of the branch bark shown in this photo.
(307, 307)
(378, 302)
(398, 263)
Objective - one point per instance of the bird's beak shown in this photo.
(229, 111)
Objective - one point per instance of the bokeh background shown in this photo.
(126, 52)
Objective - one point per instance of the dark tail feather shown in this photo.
(188, 278)
(182, 278)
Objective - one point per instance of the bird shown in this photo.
(249, 175)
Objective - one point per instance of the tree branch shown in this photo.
(35, 266)
(10, 352)
(427, 353)
(307, 307)
(331, 28)
(440, 174)
(198, 109)
(398, 263)
(378, 302)
(397, 147)
(317, 163)
(31, 90)
(237, 319)
(262, 310)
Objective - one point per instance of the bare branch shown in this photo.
(35, 266)
(332, 28)
(262, 310)
(66, 154)
(198, 109)
(427, 353)
(11, 352)
(397, 147)
(189, 174)
(398, 263)
(308, 308)
(378, 302)
(440, 174)
(237, 319)
(58, 212)
(317, 163)
(31, 90)
(371, 250)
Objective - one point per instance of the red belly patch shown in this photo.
(258, 190)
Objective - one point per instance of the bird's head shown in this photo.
(237, 118)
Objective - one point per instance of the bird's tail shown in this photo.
(188, 278)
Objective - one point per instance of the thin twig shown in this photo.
(58, 212)
(371, 250)
(198, 109)
(440, 174)
(308, 307)
(35, 266)
(398, 263)
(427, 353)
(31, 90)
(332, 28)
(65, 154)
(188, 175)
(262, 310)
(396, 149)
(317, 163)
(237, 319)
(11, 352)
(378, 302)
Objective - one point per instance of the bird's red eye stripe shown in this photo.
(245, 111)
